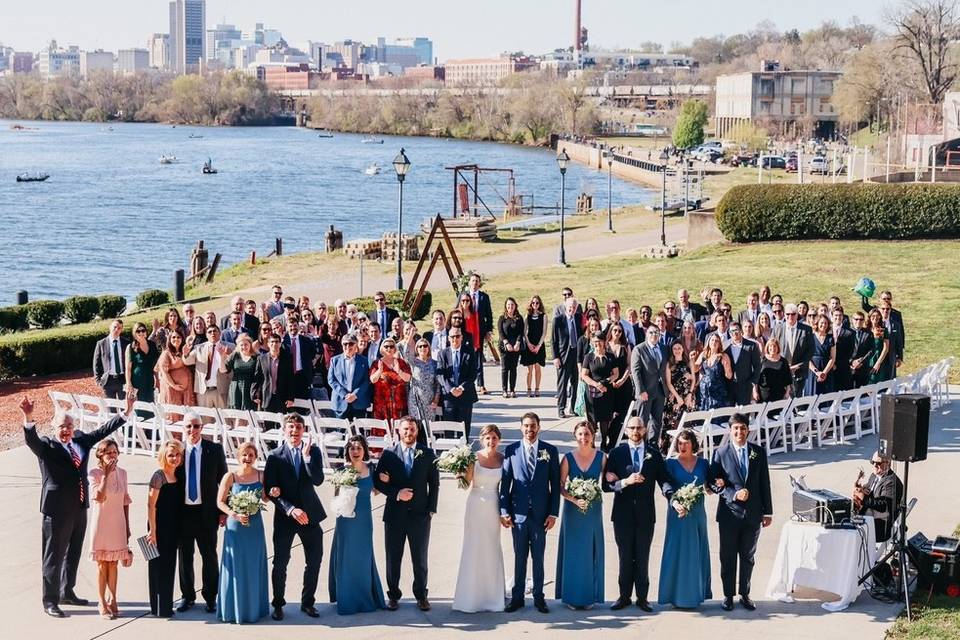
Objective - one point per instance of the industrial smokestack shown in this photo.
(576, 36)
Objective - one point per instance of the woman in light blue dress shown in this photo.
(685, 566)
(580, 554)
(242, 596)
(353, 580)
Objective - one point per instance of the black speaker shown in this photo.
(904, 426)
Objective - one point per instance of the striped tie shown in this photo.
(531, 460)
(76, 463)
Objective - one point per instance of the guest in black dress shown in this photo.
(622, 391)
(775, 381)
(164, 505)
(598, 371)
(510, 326)
(534, 354)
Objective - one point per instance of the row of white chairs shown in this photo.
(829, 418)
(154, 422)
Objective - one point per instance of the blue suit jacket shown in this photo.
(726, 466)
(337, 379)
(522, 496)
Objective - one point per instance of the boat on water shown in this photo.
(36, 177)
(193, 136)
(168, 159)
(20, 127)
(371, 140)
(208, 167)
(324, 135)
(372, 170)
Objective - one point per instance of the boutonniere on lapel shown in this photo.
(545, 456)
(648, 456)
(753, 455)
(417, 453)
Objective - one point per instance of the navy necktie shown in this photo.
(117, 360)
(192, 485)
(743, 463)
(296, 461)
(636, 459)
(408, 460)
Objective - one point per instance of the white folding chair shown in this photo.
(753, 413)
(447, 434)
(376, 432)
(850, 412)
(716, 431)
(124, 437)
(90, 412)
(696, 421)
(773, 424)
(64, 403)
(825, 418)
(323, 409)
(333, 433)
(269, 431)
(212, 424)
(304, 405)
(238, 427)
(801, 422)
(623, 431)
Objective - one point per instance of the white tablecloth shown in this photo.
(830, 560)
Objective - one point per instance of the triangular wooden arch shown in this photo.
(444, 251)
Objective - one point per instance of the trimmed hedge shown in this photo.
(757, 213)
(394, 298)
(44, 352)
(45, 314)
(80, 309)
(14, 319)
(152, 298)
(111, 306)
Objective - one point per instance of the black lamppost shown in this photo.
(664, 156)
(562, 161)
(609, 155)
(401, 164)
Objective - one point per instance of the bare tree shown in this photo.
(925, 30)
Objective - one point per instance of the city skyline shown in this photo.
(611, 23)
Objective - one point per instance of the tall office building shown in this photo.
(132, 61)
(159, 47)
(220, 41)
(188, 20)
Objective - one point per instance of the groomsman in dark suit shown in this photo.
(862, 346)
(408, 477)
(739, 473)
(108, 361)
(303, 351)
(204, 464)
(249, 324)
(273, 378)
(796, 344)
(567, 329)
(843, 339)
(456, 372)
(745, 360)
(634, 469)
(64, 499)
(894, 326)
(648, 366)
(382, 314)
(483, 308)
(529, 506)
(289, 477)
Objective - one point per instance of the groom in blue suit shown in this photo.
(529, 505)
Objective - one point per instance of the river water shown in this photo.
(112, 219)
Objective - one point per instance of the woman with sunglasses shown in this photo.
(389, 376)
(140, 361)
(534, 355)
(622, 391)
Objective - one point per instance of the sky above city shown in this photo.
(458, 29)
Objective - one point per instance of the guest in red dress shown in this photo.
(471, 320)
(389, 376)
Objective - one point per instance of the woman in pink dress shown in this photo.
(111, 524)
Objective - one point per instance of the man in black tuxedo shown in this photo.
(745, 360)
(739, 473)
(273, 378)
(408, 477)
(894, 326)
(862, 347)
(843, 339)
(796, 344)
(567, 329)
(382, 314)
(303, 351)
(456, 371)
(109, 363)
(249, 324)
(880, 496)
(483, 308)
(648, 368)
(634, 469)
(289, 477)
(64, 499)
(204, 464)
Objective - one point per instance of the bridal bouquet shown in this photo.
(246, 503)
(586, 489)
(688, 496)
(457, 461)
(345, 480)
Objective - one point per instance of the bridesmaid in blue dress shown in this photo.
(354, 581)
(823, 358)
(714, 369)
(685, 566)
(580, 555)
(242, 596)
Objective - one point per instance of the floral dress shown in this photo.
(672, 411)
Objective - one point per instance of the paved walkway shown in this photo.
(932, 481)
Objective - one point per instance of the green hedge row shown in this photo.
(44, 352)
(46, 314)
(394, 300)
(755, 213)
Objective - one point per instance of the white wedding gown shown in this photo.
(480, 583)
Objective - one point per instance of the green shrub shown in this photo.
(80, 309)
(152, 298)
(66, 348)
(394, 298)
(111, 306)
(13, 319)
(44, 313)
(755, 213)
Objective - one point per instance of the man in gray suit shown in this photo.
(796, 344)
(745, 360)
(108, 361)
(753, 311)
(648, 367)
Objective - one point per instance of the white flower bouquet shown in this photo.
(586, 489)
(246, 503)
(345, 480)
(688, 496)
(457, 461)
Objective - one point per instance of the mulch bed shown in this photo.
(37, 387)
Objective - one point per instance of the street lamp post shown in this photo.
(562, 161)
(401, 164)
(664, 156)
(609, 154)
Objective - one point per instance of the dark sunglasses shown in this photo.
(193, 426)
(141, 331)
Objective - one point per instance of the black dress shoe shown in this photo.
(392, 605)
(72, 599)
(541, 606)
(186, 605)
(423, 604)
(211, 607)
(727, 604)
(561, 414)
(512, 606)
(747, 603)
(277, 613)
(619, 604)
(644, 605)
(54, 611)
(310, 610)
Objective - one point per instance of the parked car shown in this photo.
(743, 160)
(819, 164)
(773, 162)
(792, 165)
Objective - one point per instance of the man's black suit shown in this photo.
(384, 318)
(454, 408)
(740, 522)
(483, 308)
(634, 514)
(881, 502)
(112, 384)
(800, 355)
(746, 371)
(199, 523)
(407, 522)
(296, 491)
(862, 346)
(64, 500)
(274, 400)
(565, 350)
(303, 379)
(249, 324)
(845, 344)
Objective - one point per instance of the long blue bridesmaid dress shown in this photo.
(685, 566)
(353, 580)
(580, 554)
(243, 595)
